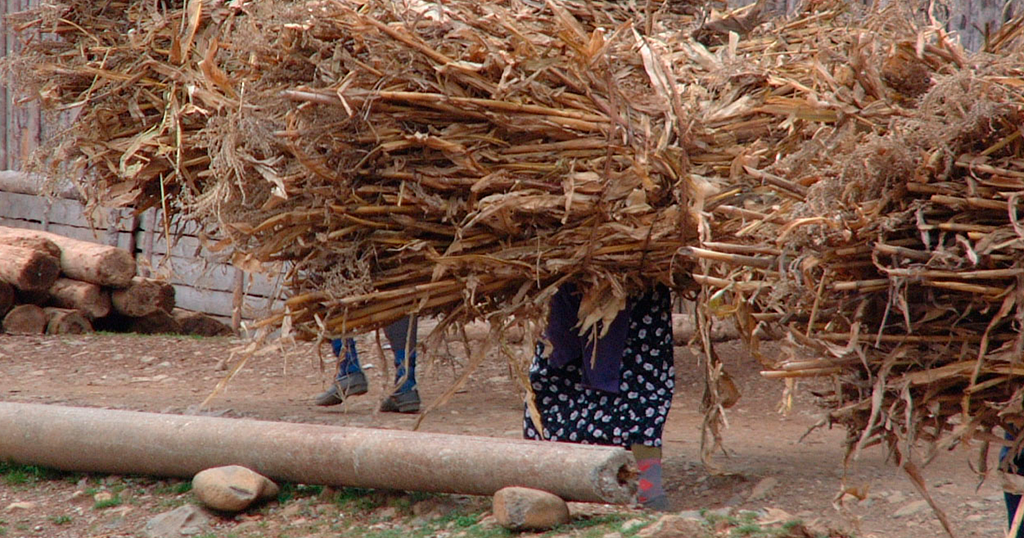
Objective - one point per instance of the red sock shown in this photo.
(650, 480)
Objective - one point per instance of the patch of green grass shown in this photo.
(360, 499)
(173, 503)
(61, 520)
(107, 503)
(582, 524)
(15, 474)
(291, 491)
(174, 488)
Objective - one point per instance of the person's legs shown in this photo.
(350, 380)
(649, 380)
(1012, 500)
(402, 337)
(650, 492)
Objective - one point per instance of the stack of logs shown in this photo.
(51, 284)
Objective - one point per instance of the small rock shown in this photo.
(911, 508)
(22, 506)
(165, 364)
(103, 496)
(529, 509)
(691, 514)
(674, 526)
(232, 488)
(735, 500)
(613, 535)
(188, 520)
(763, 488)
(291, 510)
(633, 525)
(146, 359)
(977, 505)
(896, 497)
(973, 518)
(387, 513)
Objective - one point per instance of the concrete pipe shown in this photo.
(128, 442)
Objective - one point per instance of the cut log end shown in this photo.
(143, 297)
(86, 297)
(28, 269)
(25, 319)
(158, 322)
(199, 324)
(66, 321)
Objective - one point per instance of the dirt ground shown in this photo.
(767, 465)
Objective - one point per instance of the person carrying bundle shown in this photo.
(351, 381)
(1013, 467)
(618, 394)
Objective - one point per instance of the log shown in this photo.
(28, 269)
(86, 297)
(34, 243)
(158, 322)
(129, 442)
(142, 297)
(81, 260)
(7, 297)
(199, 324)
(66, 321)
(25, 319)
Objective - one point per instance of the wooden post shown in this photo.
(5, 92)
(147, 242)
(237, 299)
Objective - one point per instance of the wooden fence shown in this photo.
(204, 281)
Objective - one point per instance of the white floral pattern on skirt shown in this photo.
(573, 413)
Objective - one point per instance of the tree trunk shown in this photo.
(90, 262)
(142, 297)
(25, 319)
(199, 324)
(7, 297)
(123, 442)
(27, 269)
(66, 321)
(86, 297)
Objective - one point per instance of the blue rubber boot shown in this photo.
(350, 380)
(405, 399)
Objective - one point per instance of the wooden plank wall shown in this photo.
(23, 126)
(969, 20)
(203, 280)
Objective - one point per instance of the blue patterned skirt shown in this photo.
(573, 413)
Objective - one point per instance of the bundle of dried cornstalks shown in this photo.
(882, 238)
(462, 158)
(849, 178)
